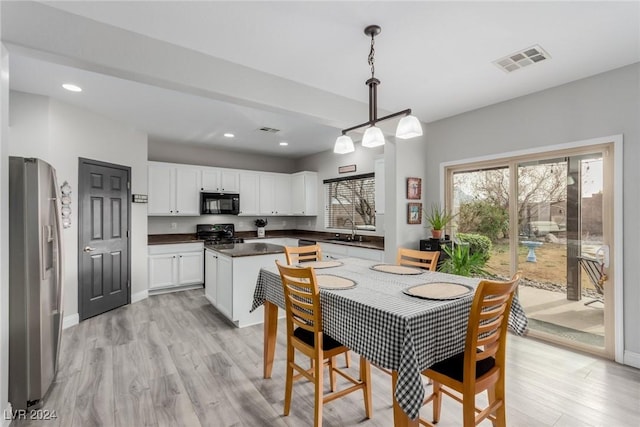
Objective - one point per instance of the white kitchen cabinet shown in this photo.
(274, 194)
(175, 265)
(211, 276)
(304, 191)
(335, 251)
(378, 169)
(220, 180)
(248, 193)
(234, 283)
(173, 190)
(224, 280)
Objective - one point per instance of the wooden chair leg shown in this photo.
(496, 393)
(365, 377)
(332, 373)
(319, 367)
(437, 401)
(347, 359)
(288, 390)
(469, 411)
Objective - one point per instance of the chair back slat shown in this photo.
(302, 298)
(298, 254)
(413, 258)
(488, 322)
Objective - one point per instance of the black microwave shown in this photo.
(219, 203)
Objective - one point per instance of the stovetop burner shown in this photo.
(217, 234)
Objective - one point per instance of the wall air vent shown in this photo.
(268, 129)
(521, 59)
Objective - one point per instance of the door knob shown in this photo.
(88, 249)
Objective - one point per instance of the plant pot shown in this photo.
(260, 231)
(436, 234)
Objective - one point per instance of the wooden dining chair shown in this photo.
(298, 254)
(413, 258)
(481, 366)
(304, 333)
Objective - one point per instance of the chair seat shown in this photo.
(308, 338)
(453, 367)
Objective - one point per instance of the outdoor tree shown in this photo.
(537, 184)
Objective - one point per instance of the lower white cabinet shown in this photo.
(231, 282)
(175, 265)
(333, 251)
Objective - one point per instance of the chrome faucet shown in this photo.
(353, 228)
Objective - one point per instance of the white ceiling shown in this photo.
(433, 57)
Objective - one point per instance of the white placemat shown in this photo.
(396, 269)
(439, 290)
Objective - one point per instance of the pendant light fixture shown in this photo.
(408, 127)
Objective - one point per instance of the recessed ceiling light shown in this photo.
(284, 143)
(229, 135)
(71, 87)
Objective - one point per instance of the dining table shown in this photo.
(381, 319)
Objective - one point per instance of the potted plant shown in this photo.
(438, 219)
(261, 223)
(462, 262)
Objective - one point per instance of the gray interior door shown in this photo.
(103, 242)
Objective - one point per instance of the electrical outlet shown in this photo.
(173, 225)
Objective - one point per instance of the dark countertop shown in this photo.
(247, 249)
(369, 242)
(168, 239)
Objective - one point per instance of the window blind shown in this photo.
(350, 203)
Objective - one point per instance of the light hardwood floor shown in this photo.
(172, 360)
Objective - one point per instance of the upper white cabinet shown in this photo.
(304, 191)
(248, 193)
(274, 194)
(378, 169)
(173, 189)
(220, 180)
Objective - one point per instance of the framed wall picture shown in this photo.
(414, 188)
(414, 213)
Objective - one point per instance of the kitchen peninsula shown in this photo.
(230, 277)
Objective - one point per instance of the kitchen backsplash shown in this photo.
(187, 224)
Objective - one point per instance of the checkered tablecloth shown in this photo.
(389, 328)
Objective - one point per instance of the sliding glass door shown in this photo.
(549, 217)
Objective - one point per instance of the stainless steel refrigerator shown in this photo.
(35, 280)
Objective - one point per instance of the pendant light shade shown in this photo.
(344, 145)
(409, 127)
(373, 137)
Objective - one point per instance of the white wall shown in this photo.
(4, 232)
(187, 224)
(602, 105)
(60, 134)
(206, 156)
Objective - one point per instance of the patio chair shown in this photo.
(593, 268)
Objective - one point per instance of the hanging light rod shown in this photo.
(409, 126)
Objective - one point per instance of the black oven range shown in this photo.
(217, 234)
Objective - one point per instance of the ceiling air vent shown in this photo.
(268, 129)
(521, 59)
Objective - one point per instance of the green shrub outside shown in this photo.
(478, 244)
(484, 217)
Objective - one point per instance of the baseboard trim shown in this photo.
(6, 415)
(632, 359)
(139, 296)
(71, 320)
